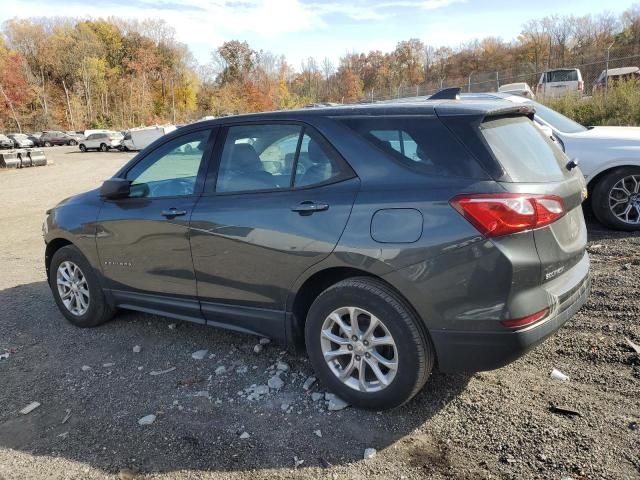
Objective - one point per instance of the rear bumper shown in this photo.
(472, 351)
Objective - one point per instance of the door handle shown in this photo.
(308, 207)
(173, 212)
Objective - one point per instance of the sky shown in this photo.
(303, 28)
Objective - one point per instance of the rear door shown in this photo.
(276, 205)
(533, 164)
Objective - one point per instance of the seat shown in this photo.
(244, 171)
(321, 170)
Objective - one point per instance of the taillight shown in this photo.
(580, 85)
(495, 215)
(525, 321)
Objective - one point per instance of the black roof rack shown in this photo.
(452, 93)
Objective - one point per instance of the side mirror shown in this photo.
(115, 188)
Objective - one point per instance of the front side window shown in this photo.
(170, 170)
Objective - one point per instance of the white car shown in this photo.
(139, 138)
(558, 82)
(520, 88)
(102, 141)
(609, 158)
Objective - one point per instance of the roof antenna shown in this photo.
(452, 93)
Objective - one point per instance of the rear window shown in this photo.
(524, 152)
(562, 76)
(421, 143)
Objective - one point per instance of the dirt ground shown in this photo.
(489, 425)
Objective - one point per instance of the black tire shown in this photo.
(415, 350)
(103, 147)
(600, 199)
(72, 142)
(99, 310)
(83, 148)
(47, 144)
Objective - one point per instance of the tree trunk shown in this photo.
(13, 112)
(66, 93)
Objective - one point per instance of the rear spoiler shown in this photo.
(483, 109)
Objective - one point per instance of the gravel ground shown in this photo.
(93, 387)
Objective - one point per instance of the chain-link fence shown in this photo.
(590, 66)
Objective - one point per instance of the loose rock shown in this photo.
(147, 420)
(317, 433)
(308, 383)
(159, 372)
(244, 435)
(30, 408)
(137, 349)
(316, 396)
(282, 366)
(221, 370)
(257, 348)
(199, 355)
(275, 382)
(336, 403)
(265, 341)
(370, 453)
(108, 365)
(85, 368)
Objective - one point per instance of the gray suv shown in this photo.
(386, 239)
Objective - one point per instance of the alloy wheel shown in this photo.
(359, 349)
(624, 199)
(73, 288)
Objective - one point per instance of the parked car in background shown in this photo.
(139, 138)
(21, 140)
(55, 137)
(609, 158)
(561, 81)
(78, 136)
(614, 75)
(35, 138)
(462, 244)
(520, 88)
(5, 142)
(104, 141)
(86, 133)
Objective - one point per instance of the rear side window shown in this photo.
(421, 143)
(562, 76)
(524, 152)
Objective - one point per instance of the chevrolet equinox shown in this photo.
(385, 238)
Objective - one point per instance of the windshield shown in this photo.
(557, 121)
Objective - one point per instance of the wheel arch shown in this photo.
(594, 179)
(301, 299)
(52, 247)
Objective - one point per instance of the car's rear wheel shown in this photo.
(83, 148)
(76, 289)
(103, 147)
(616, 199)
(72, 142)
(47, 144)
(366, 344)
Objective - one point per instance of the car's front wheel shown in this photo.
(76, 289)
(83, 148)
(366, 344)
(616, 199)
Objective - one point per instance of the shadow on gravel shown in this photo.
(200, 415)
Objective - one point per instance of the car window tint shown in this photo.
(523, 150)
(257, 157)
(316, 162)
(170, 170)
(421, 143)
(562, 76)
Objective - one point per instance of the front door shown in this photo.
(143, 240)
(281, 199)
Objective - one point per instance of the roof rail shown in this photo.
(452, 93)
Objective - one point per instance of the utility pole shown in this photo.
(469, 84)
(606, 71)
(497, 81)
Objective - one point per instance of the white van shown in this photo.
(558, 82)
(139, 138)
